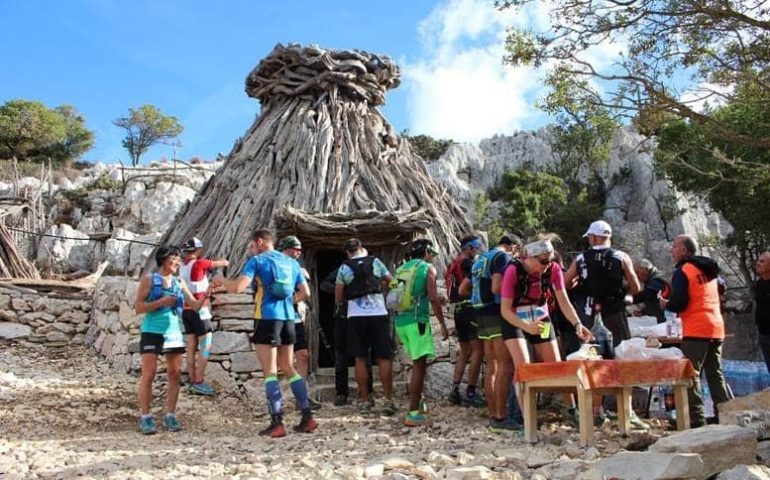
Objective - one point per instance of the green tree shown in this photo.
(733, 177)
(146, 126)
(31, 131)
(677, 56)
(528, 199)
(27, 127)
(427, 147)
(77, 138)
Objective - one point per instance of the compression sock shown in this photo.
(273, 394)
(299, 389)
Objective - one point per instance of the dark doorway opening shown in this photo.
(327, 262)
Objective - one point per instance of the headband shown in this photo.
(539, 247)
(474, 243)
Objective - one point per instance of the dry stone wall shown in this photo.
(43, 318)
(233, 367)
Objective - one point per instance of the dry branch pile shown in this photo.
(322, 148)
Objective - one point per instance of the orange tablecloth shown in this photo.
(609, 373)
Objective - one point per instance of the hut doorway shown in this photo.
(327, 261)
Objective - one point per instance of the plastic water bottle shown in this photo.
(602, 336)
(670, 323)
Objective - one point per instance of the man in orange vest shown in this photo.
(695, 296)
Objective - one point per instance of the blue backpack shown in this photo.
(156, 292)
(281, 280)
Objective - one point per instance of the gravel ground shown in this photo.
(63, 414)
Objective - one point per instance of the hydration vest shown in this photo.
(364, 281)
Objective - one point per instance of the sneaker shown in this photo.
(389, 408)
(454, 398)
(306, 425)
(573, 417)
(600, 420)
(636, 422)
(340, 400)
(202, 388)
(314, 404)
(147, 425)
(274, 430)
(172, 423)
(415, 420)
(364, 408)
(474, 401)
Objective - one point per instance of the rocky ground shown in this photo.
(64, 414)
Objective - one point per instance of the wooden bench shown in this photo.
(615, 377)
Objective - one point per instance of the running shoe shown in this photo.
(389, 408)
(636, 422)
(147, 425)
(422, 406)
(364, 408)
(202, 388)
(505, 425)
(475, 401)
(600, 420)
(340, 400)
(415, 420)
(172, 423)
(306, 425)
(274, 430)
(454, 398)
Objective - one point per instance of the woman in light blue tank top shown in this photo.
(160, 297)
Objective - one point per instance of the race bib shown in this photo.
(530, 313)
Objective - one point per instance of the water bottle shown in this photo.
(602, 336)
(670, 323)
(678, 326)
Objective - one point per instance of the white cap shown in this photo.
(600, 228)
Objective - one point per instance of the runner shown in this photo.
(276, 278)
(292, 247)
(413, 321)
(197, 323)
(159, 297)
(527, 286)
(471, 349)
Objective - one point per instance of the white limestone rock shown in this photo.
(720, 446)
(68, 254)
(745, 472)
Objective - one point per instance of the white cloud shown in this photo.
(460, 88)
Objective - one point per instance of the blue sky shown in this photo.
(190, 59)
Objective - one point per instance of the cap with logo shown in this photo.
(600, 228)
(192, 244)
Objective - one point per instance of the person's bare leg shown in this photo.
(362, 379)
(192, 349)
(302, 364)
(173, 373)
(489, 377)
(149, 367)
(385, 366)
(477, 355)
(502, 377)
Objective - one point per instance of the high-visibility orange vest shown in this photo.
(701, 318)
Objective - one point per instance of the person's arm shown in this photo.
(140, 303)
(679, 293)
(499, 264)
(193, 302)
(465, 287)
(339, 286)
(302, 293)
(631, 279)
(435, 301)
(237, 285)
(220, 263)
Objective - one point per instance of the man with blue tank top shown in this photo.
(160, 297)
(278, 285)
